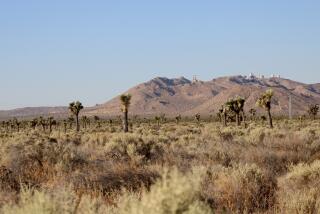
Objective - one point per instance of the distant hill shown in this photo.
(182, 96)
(29, 112)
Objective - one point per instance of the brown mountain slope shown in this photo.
(181, 96)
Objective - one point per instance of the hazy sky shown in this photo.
(54, 52)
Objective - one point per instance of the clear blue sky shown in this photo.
(53, 52)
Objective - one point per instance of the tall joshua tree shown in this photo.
(264, 101)
(125, 103)
(51, 122)
(313, 110)
(75, 108)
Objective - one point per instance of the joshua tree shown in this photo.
(85, 121)
(33, 123)
(17, 124)
(253, 113)
(75, 108)
(110, 122)
(264, 101)
(197, 117)
(236, 105)
(65, 123)
(43, 123)
(163, 118)
(7, 124)
(3, 124)
(125, 103)
(220, 113)
(178, 118)
(51, 122)
(313, 111)
(97, 120)
(157, 118)
(223, 114)
(71, 121)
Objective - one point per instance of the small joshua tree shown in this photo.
(43, 123)
(313, 111)
(33, 123)
(220, 113)
(157, 119)
(223, 114)
(163, 118)
(17, 124)
(197, 117)
(65, 123)
(264, 101)
(85, 121)
(3, 124)
(125, 103)
(178, 118)
(70, 121)
(97, 121)
(75, 108)
(253, 113)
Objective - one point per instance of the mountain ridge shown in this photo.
(174, 96)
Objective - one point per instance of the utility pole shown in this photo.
(290, 107)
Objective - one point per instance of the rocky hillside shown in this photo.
(182, 96)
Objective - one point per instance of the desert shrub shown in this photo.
(134, 148)
(244, 164)
(51, 202)
(174, 193)
(111, 180)
(299, 189)
(239, 189)
(8, 181)
(34, 161)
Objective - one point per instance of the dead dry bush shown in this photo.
(239, 189)
(299, 189)
(111, 180)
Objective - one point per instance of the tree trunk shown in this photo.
(270, 118)
(125, 121)
(77, 123)
(244, 119)
(225, 119)
(238, 119)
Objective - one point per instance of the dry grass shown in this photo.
(177, 168)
